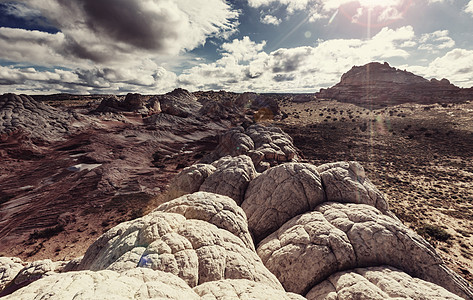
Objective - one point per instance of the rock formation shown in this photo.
(21, 113)
(377, 283)
(132, 103)
(378, 85)
(267, 146)
(247, 221)
(279, 194)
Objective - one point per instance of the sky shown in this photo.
(287, 46)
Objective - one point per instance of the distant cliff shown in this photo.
(377, 84)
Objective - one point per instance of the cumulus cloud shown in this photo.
(456, 65)
(300, 69)
(435, 41)
(270, 20)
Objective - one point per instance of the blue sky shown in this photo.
(154, 46)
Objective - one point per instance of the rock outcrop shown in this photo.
(231, 177)
(337, 237)
(377, 283)
(347, 182)
(377, 85)
(132, 103)
(192, 249)
(279, 194)
(267, 146)
(180, 103)
(137, 283)
(9, 268)
(241, 289)
(218, 210)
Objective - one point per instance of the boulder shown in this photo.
(189, 180)
(279, 194)
(241, 289)
(336, 237)
(32, 272)
(194, 250)
(137, 283)
(110, 104)
(377, 283)
(276, 146)
(231, 178)
(135, 102)
(346, 182)
(218, 210)
(179, 103)
(9, 268)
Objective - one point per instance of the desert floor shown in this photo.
(419, 156)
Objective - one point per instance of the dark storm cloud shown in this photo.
(127, 21)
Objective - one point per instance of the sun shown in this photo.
(379, 3)
(374, 13)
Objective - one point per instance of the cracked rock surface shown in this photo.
(347, 182)
(194, 250)
(337, 237)
(9, 268)
(231, 178)
(279, 194)
(189, 180)
(377, 283)
(241, 289)
(137, 283)
(218, 210)
(267, 146)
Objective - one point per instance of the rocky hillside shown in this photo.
(380, 85)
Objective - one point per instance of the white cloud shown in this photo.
(456, 66)
(469, 8)
(436, 41)
(293, 70)
(270, 20)
(111, 44)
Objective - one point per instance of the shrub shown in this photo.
(47, 232)
(435, 232)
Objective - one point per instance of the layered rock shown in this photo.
(377, 84)
(179, 103)
(132, 103)
(21, 113)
